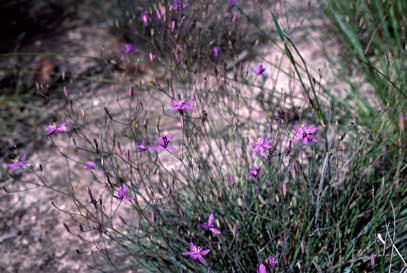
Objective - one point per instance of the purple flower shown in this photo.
(145, 18)
(304, 133)
(151, 57)
(196, 252)
(261, 268)
(234, 17)
(90, 165)
(121, 193)
(16, 164)
(141, 148)
(260, 145)
(158, 14)
(216, 51)
(232, 2)
(56, 128)
(272, 261)
(176, 4)
(209, 226)
(163, 142)
(181, 105)
(372, 260)
(254, 172)
(129, 49)
(259, 69)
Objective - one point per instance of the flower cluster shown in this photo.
(197, 252)
(271, 261)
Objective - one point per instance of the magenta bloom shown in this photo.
(372, 260)
(145, 18)
(163, 142)
(196, 252)
(129, 49)
(181, 105)
(260, 145)
(90, 165)
(141, 148)
(16, 164)
(121, 193)
(216, 51)
(176, 4)
(261, 268)
(158, 15)
(254, 172)
(57, 128)
(304, 133)
(209, 226)
(259, 69)
(272, 261)
(234, 17)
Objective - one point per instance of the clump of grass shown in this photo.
(372, 35)
(315, 207)
(191, 29)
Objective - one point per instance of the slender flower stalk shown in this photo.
(210, 226)
(304, 133)
(196, 253)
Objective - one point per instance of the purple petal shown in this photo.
(201, 259)
(297, 138)
(118, 197)
(171, 148)
(204, 226)
(214, 230)
(191, 246)
(205, 252)
(298, 129)
(311, 130)
(155, 148)
(261, 268)
(305, 141)
(256, 149)
(175, 103)
(187, 253)
(210, 219)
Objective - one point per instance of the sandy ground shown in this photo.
(32, 235)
